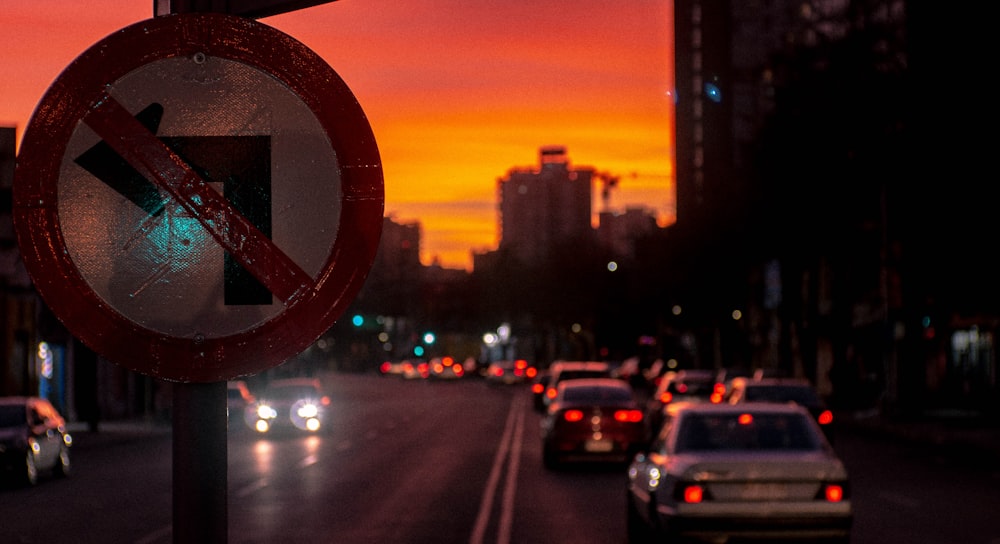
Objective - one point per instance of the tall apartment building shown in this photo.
(543, 207)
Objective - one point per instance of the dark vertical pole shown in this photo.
(200, 463)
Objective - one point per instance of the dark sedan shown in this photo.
(33, 439)
(592, 420)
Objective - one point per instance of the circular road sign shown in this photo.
(198, 197)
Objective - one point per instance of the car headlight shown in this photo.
(307, 410)
(264, 411)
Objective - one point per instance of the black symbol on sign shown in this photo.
(241, 163)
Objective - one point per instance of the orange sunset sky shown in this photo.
(457, 92)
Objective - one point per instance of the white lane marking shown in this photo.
(486, 505)
(308, 460)
(507, 511)
(251, 488)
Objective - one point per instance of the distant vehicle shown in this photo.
(538, 387)
(296, 404)
(719, 471)
(592, 420)
(445, 368)
(33, 440)
(683, 385)
(570, 370)
(795, 390)
(416, 369)
(240, 404)
(509, 372)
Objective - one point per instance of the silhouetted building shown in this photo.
(544, 207)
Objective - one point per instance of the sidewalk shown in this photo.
(968, 436)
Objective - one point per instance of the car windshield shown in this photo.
(745, 431)
(12, 416)
(291, 392)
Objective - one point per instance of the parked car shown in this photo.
(570, 370)
(240, 404)
(718, 471)
(507, 372)
(33, 440)
(592, 420)
(296, 404)
(689, 385)
(783, 390)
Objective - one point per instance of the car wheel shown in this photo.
(63, 466)
(29, 476)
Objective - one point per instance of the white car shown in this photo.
(756, 470)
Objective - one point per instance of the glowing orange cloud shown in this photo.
(458, 92)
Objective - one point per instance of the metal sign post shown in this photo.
(198, 197)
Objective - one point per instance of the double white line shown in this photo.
(510, 448)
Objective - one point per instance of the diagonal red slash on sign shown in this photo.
(145, 152)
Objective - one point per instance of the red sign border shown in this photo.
(79, 90)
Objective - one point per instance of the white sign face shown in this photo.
(153, 261)
(198, 197)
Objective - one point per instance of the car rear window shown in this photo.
(596, 394)
(745, 431)
(782, 393)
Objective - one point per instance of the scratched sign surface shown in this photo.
(204, 186)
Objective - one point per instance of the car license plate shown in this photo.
(598, 445)
(760, 492)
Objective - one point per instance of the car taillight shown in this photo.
(551, 393)
(825, 417)
(628, 416)
(693, 494)
(666, 397)
(537, 388)
(573, 415)
(385, 367)
(833, 493)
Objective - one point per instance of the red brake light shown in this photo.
(573, 415)
(537, 388)
(694, 493)
(448, 361)
(666, 397)
(825, 417)
(521, 364)
(745, 419)
(385, 367)
(551, 393)
(833, 493)
(531, 372)
(715, 397)
(629, 416)
(682, 388)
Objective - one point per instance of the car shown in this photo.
(725, 471)
(696, 385)
(291, 404)
(508, 372)
(569, 370)
(445, 368)
(592, 420)
(415, 369)
(240, 404)
(33, 440)
(796, 390)
(538, 387)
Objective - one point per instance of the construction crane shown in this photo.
(608, 181)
